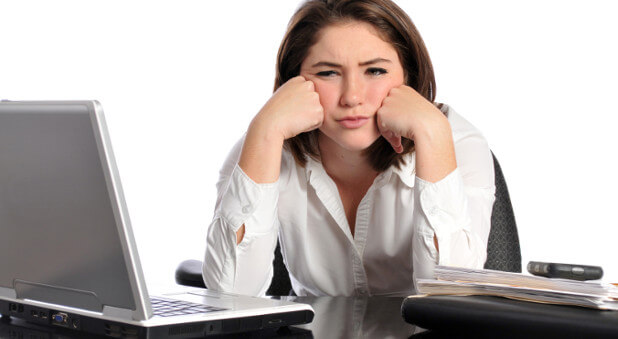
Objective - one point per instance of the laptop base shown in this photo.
(68, 321)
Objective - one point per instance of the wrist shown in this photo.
(432, 131)
(435, 151)
(265, 130)
(260, 157)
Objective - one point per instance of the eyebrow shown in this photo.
(366, 63)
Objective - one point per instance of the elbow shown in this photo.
(218, 268)
(213, 272)
(467, 251)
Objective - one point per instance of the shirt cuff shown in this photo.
(245, 199)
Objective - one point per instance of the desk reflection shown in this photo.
(356, 317)
(20, 329)
(335, 317)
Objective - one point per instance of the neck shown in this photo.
(342, 165)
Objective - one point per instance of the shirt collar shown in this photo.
(407, 170)
(313, 169)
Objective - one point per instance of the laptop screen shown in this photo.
(60, 242)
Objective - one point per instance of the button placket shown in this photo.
(360, 239)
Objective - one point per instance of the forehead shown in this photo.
(350, 42)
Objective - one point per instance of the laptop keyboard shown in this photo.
(170, 307)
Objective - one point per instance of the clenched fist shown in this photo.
(294, 108)
(406, 113)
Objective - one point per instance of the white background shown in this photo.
(180, 81)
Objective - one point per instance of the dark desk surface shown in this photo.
(335, 317)
(356, 317)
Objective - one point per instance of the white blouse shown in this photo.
(395, 225)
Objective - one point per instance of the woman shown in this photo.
(367, 183)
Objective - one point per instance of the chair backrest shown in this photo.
(503, 251)
(281, 284)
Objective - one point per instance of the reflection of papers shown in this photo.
(462, 281)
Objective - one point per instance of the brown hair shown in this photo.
(394, 26)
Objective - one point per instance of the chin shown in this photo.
(358, 144)
(351, 141)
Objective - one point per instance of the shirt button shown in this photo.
(246, 209)
(434, 210)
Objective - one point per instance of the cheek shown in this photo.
(383, 87)
(328, 95)
(379, 91)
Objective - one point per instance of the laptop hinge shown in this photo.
(7, 293)
(57, 295)
(117, 312)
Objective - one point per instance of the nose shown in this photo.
(352, 91)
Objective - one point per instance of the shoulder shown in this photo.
(463, 131)
(460, 127)
(472, 150)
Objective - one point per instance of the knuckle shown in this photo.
(396, 90)
(292, 80)
(319, 111)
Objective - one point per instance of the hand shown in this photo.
(294, 108)
(405, 113)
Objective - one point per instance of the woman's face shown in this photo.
(353, 70)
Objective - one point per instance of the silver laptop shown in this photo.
(67, 253)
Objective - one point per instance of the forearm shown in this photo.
(444, 231)
(435, 154)
(241, 265)
(452, 216)
(244, 269)
(260, 158)
(435, 150)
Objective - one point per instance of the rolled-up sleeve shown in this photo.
(456, 210)
(245, 268)
(248, 202)
(443, 209)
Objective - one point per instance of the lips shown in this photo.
(353, 122)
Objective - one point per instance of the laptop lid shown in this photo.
(59, 194)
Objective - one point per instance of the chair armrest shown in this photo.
(189, 273)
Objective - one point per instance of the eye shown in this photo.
(376, 71)
(326, 74)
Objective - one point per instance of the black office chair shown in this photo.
(503, 252)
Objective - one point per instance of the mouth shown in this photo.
(353, 122)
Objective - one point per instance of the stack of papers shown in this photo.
(465, 281)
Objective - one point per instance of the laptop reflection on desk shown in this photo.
(69, 258)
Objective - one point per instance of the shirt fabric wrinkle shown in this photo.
(396, 222)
